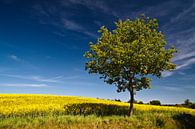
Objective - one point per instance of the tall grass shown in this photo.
(148, 121)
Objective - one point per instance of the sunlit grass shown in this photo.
(23, 111)
(38, 105)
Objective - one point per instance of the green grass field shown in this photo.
(70, 112)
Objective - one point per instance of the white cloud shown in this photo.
(82, 83)
(34, 78)
(90, 34)
(71, 25)
(159, 10)
(167, 74)
(186, 63)
(182, 65)
(41, 79)
(22, 63)
(15, 58)
(24, 85)
(46, 11)
(172, 88)
(184, 13)
(183, 39)
(182, 73)
(56, 79)
(99, 5)
(71, 77)
(184, 56)
(185, 44)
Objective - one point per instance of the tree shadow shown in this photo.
(99, 109)
(186, 121)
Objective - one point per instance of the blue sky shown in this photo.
(42, 43)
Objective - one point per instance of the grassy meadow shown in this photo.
(71, 112)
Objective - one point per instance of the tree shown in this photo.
(140, 102)
(192, 106)
(155, 102)
(126, 55)
(118, 100)
(187, 102)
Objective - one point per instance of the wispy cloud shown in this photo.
(24, 85)
(41, 79)
(182, 73)
(82, 83)
(178, 88)
(56, 79)
(183, 65)
(34, 78)
(99, 5)
(48, 14)
(22, 62)
(182, 36)
(185, 44)
(184, 56)
(72, 25)
(167, 74)
(180, 32)
(186, 63)
(159, 10)
(15, 58)
(188, 77)
(172, 88)
(71, 77)
(183, 14)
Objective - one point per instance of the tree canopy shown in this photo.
(155, 102)
(129, 53)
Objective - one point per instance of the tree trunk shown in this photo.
(131, 102)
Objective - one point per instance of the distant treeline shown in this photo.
(187, 103)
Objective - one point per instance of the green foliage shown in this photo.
(140, 102)
(185, 120)
(192, 106)
(155, 102)
(187, 102)
(145, 120)
(130, 52)
(98, 109)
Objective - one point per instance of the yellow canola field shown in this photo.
(24, 104)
